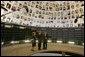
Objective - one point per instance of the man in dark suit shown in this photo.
(39, 40)
(33, 40)
(45, 40)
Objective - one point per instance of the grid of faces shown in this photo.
(47, 10)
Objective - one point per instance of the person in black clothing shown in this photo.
(39, 40)
(33, 40)
(45, 40)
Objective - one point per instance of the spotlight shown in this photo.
(36, 40)
(83, 44)
(49, 41)
(21, 27)
(14, 42)
(2, 43)
(7, 26)
(69, 42)
(59, 41)
(27, 41)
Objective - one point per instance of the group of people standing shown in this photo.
(41, 37)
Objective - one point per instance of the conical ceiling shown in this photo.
(43, 13)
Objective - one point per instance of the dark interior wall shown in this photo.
(64, 34)
(14, 33)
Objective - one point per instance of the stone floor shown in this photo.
(25, 49)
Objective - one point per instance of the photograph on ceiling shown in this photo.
(8, 6)
(72, 6)
(39, 16)
(77, 5)
(73, 16)
(36, 6)
(27, 10)
(30, 10)
(64, 8)
(2, 4)
(68, 6)
(81, 10)
(33, 14)
(47, 4)
(76, 11)
(13, 8)
(72, 12)
(40, 7)
(64, 3)
(60, 6)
